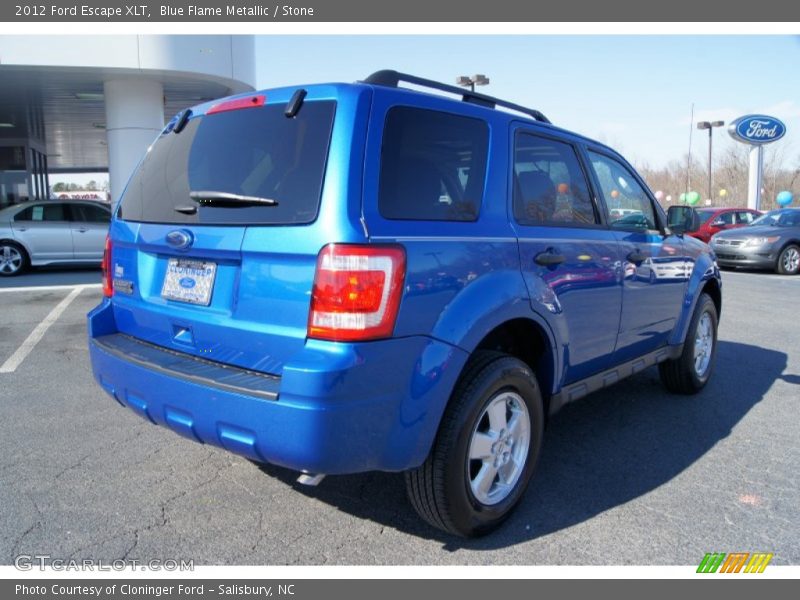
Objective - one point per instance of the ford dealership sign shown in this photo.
(757, 129)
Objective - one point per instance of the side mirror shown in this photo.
(682, 219)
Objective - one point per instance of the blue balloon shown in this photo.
(785, 198)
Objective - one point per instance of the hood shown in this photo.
(751, 231)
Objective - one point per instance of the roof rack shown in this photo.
(391, 78)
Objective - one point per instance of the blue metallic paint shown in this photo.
(348, 407)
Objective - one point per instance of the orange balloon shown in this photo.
(563, 188)
(614, 193)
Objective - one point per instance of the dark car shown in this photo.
(771, 242)
(352, 277)
(714, 220)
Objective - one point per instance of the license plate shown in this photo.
(189, 281)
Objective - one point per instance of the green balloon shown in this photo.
(692, 198)
(683, 197)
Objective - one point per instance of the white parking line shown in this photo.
(30, 342)
(48, 288)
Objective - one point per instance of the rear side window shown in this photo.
(88, 213)
(256, 152)
(433, 166)
(549, 184)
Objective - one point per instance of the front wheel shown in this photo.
(486, 450)
(788, 261)
(13, 259)
(689, 373)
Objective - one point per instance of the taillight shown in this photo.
(357, 291)
(108, 283)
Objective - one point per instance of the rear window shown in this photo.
(255, 152)
(433, 166)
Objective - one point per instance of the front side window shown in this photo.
(725, 218)
(433, 166)
(628, 205)
(549, 184)
(42, 212)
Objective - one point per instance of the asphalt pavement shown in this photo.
(629, 475)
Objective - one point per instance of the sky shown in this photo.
(634, 93)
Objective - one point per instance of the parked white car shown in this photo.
(52, 232)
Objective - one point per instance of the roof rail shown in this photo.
(389, 78)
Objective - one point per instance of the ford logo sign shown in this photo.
(757, 129)
(180, 239)
(187, 282)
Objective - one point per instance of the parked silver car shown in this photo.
(51, 232)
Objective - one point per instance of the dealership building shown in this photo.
(75, 104)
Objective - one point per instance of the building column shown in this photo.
(134, 117)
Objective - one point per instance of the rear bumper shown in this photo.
(337, 408)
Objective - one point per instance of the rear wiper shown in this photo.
(228, 199)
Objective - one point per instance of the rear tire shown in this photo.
(13, 259)
(486, 449)
(788, 261)
(689, 373)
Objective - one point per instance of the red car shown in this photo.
(713, 220)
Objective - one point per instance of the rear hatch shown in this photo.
(213, 250)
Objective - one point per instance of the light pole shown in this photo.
(471, 82)
(710, 126)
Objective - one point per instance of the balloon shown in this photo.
(785, 198)
(723, 192)
(683, 197)
(692, 198)
(669, 198)
(563, 188)
(659, 195)
(614, 194)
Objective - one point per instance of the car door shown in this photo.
(569, 258)
(45, 230)
(89, 223)
(654, 266)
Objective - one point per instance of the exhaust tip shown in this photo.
(310, 479)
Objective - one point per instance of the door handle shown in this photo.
(636, 257)
(82, 230)
(549, 258)
(22, 229)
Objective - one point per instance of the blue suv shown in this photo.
(350, 277)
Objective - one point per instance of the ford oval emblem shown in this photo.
(180, 239)
(757, 129)
(187, 282)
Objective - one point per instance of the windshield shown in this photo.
(705, 215)
(253, 152)
(779, 218)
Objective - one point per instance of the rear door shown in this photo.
(654, 265)
(89, 224)
(570, 259)
(221, 278)
(44, 228)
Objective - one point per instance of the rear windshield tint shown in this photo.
(433, 166)
(250, 152)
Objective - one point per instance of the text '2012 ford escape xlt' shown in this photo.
(350, 277)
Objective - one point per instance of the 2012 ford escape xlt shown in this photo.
(350, 277)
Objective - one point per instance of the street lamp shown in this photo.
(471, 82)
(710, 126)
